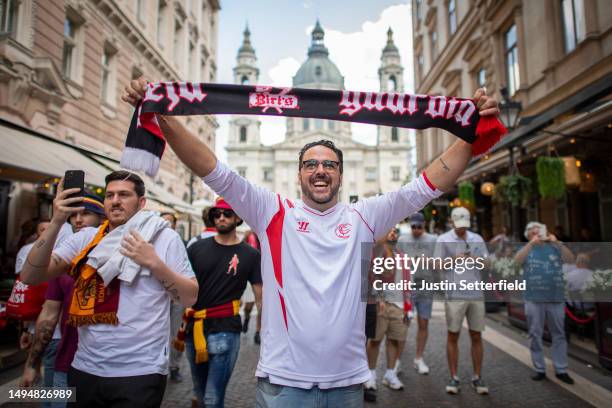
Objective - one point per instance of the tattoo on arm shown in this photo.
(44, 334)
(444, 166)
(170, 289)
(40, 243)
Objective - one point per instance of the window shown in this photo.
(242, 171)
(481, 78)
(306, 124)
(318, 124)
(68, 56)
(572, 12)
(394, 134)
(511, 54)
(395, 173)
(178, 42)
(202, 76)
(268, 174)
(141, 14)
(419, 9)
(192, 63)
(243, 134)
(10, 11)
(244, 80)
(433, 39)
(392, 84)
(107, 86)
(161, 23)
(318, 71)
(452, 16)
(370, 173)
(420, 66)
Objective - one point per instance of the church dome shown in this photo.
(318, 69)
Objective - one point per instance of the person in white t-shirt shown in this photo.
(312, 337)
(122, 354)
(460, 242)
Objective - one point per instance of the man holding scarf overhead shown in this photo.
(121, 298)
(313, 318)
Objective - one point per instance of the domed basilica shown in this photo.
(368, 170)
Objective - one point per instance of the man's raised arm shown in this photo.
(190, 150)
(444, 171)
(40, 266)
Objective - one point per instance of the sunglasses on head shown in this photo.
(416, 226)
(226, 213)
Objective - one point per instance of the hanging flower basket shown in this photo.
(551, 177)
(515, 189)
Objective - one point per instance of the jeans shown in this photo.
(49, 365)
(210, 378)
(280, 396)
(60, 379)
(553, 315)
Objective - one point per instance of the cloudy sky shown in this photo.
(355, 34)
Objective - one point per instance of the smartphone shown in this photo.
(75, 179)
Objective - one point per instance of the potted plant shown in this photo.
(551, 177)
(514, 189)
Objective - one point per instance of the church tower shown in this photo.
(244, 129)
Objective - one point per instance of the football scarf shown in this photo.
(145, 142)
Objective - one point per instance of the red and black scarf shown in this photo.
(145, 143)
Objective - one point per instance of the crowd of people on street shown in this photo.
(126, 296)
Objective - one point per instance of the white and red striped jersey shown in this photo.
(313, 316)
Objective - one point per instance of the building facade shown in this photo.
(368, 170)
(63, 66)
(554, 58)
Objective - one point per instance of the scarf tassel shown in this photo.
(99, 318)
(489, 131)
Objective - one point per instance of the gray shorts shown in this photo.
(473, 310)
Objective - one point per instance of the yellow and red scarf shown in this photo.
(92, 303)
(228, 309)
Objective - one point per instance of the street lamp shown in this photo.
(510, 110)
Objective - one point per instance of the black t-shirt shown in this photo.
(222, 272)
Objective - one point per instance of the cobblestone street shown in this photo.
(507, 377)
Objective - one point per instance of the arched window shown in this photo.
(244, 80)
(392, 84)
(243, 134)
(394, 135)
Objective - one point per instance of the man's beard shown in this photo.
(226, 229)
(310, 194)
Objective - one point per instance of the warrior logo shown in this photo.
(233, 265)
(343, 231)
(263, 98)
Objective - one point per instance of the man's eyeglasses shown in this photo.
(226, 213)
(328, 165)
(416, 226)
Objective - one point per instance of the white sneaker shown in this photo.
(398, 367)
(391, 381)
(420, 366)
(371, 383)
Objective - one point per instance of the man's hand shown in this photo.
(138, 250)
(25, 341)
(30, 377)
(486, 105)
(135, 91)
(61, 204)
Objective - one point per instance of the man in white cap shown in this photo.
(459, 243)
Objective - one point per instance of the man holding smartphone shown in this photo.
(123, 329)
(542, 259)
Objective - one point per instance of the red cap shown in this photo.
(222, 204)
